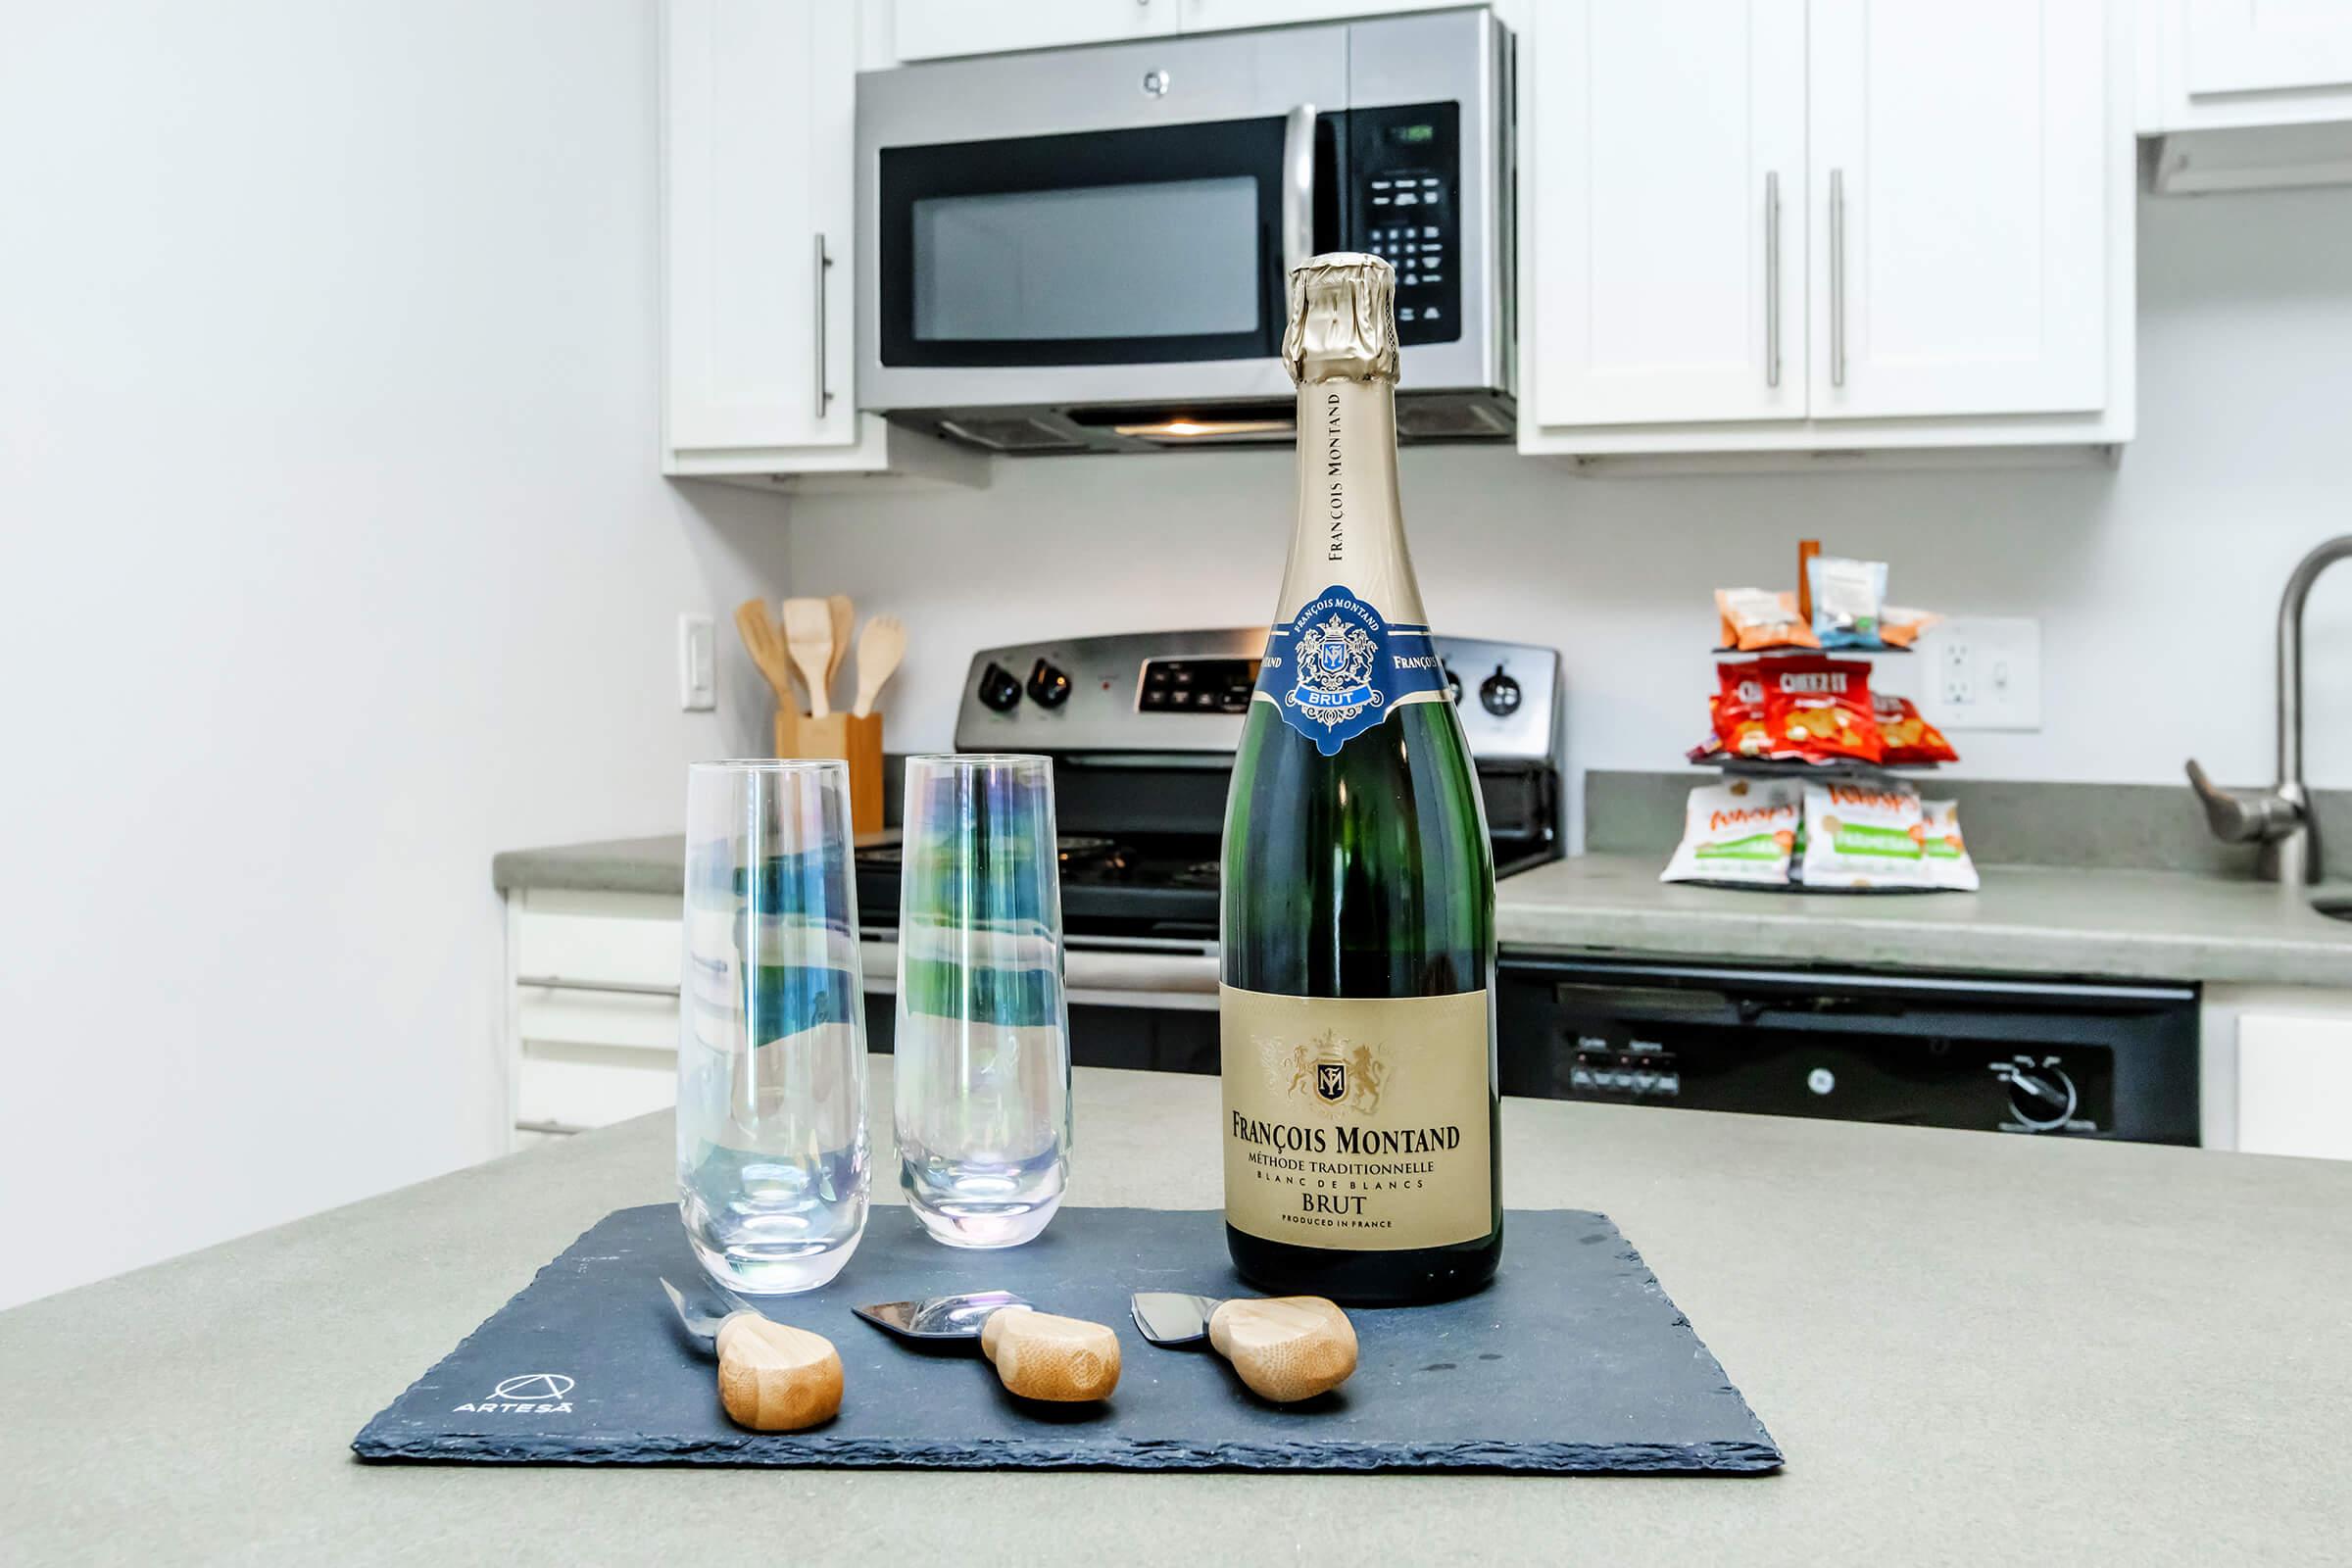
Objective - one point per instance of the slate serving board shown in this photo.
(1573, 1360)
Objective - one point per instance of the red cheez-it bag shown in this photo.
(1819, 710)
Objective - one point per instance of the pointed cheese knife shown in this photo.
(1286, 1349)
(771, 1376)
(1037, 1356)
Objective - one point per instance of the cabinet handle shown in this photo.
(562, 1129)
(1298, 191)
(1772, 278)
(824, 263)
(1837, 277)
(616, 987)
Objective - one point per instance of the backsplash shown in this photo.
(2156, 582)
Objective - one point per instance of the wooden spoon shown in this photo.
(808, 638)
(844, 615)
(765, 645)
(880, 647)
(1041, 1356)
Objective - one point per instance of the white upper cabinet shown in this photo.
(758, 153)
(2248, 94)
(1959, 179)
(1669, 240)
(1948, 262)
(927, 30)
(1217, 16)
(757, 161)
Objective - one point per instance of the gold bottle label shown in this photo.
(1357, 1124)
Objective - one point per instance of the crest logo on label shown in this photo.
(1345, 670)
(1331, 1080)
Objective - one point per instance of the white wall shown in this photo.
(332, 560)
(2157, 583)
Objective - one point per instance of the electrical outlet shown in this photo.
(1986, 674)
(697, 663)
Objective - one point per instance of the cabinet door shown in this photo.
(2294, 1085)
(2265, 45)
(1663, 133)
(757, 150)
(929, 29)
(1959, 200)
(1217, 15)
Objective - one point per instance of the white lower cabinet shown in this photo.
(2277, 1076)
(591, 1009)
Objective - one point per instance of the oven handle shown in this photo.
(1298, 191)
(1091, 969)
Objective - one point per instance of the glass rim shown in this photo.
(766, 764)
(973, 759)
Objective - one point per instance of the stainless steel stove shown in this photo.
(1142, 728)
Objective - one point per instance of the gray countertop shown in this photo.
(2141, 925)
(1971, 1348)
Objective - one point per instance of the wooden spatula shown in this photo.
(880, 647)
(844, 615)
(765, 645)
(808, 638)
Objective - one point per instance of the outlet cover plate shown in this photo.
(1982, 673)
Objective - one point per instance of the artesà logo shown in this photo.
(526, 1394)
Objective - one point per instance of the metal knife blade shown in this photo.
(940, 1317)
(1171, 1318)
(698, 1319)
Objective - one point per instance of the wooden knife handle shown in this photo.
(775, 1378)
(1288, 1347)
(1041, 1356)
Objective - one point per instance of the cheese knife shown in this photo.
(771, 1376)
(1284, 1348)
(1038, 1355)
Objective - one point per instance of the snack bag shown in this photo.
(1757, 617)
(1904, 736)
(1741, 830)
(1944, 853)
(1738, 710)
(1846, 596)
(1864, 835)
(1900, 627)
(1819, 710)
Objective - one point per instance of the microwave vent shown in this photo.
(1020, 432)
(1438, 418)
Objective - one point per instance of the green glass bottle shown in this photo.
(1362, 1141)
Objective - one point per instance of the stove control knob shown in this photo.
(1498, 694)
(1000, 688)
(1453, 684)
(1049, 687)
(2041, 1098)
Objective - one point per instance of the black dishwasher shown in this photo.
(2065, 1059)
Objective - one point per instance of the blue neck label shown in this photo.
(1338, 669)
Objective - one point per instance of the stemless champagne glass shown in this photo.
(773, 1174)
(983, 1045)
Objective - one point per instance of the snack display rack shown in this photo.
(1792, 768)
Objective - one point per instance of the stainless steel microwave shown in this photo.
(1084, 250)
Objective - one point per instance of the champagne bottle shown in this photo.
(1357, 1020)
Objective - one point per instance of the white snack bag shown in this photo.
(1741, 830)
(1864, 835)
(1944, 850)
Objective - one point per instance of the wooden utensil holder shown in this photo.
(854, 741)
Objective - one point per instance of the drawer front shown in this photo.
(574, 1087)
(612, 948)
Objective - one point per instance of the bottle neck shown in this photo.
(1350, 528)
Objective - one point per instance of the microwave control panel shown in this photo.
(1407, 166)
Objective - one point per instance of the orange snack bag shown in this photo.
(1738, 710)
(1904, 736)
(1757, 617)
(1819, 710)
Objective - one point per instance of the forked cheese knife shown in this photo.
(771, 1376)
(1284, 1347)
(1037, 1356)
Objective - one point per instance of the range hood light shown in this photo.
(1208, 429)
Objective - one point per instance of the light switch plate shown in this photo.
(1982, 673)
(697, 663)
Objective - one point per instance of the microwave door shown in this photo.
(1118, 231)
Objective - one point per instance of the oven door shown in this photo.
(1152, 1008)
(1093, 224)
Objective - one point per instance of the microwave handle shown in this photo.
(1298, 189)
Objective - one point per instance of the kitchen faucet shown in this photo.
(2279, 818)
